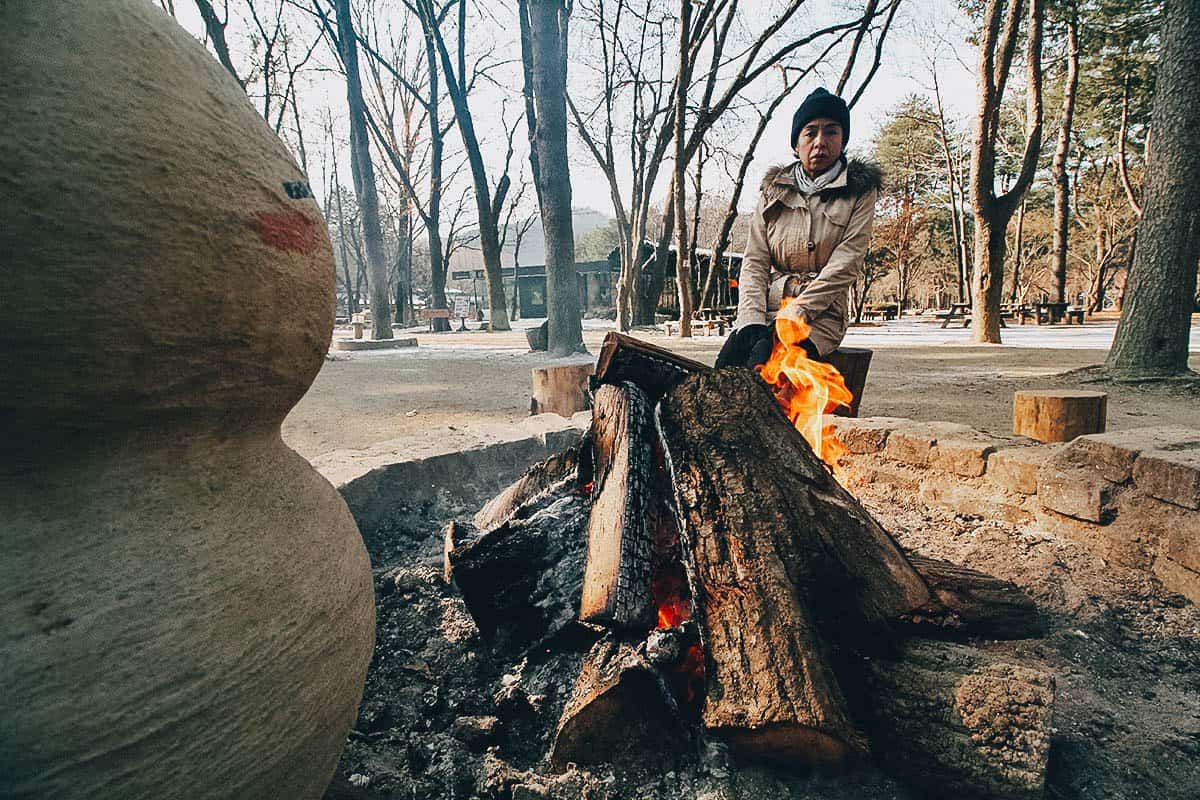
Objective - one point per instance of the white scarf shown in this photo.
(809, 186)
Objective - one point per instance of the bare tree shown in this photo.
(214, 26)
(519, 229)
(1062, 183)
(422, 92)
(489, 200)
(632, 39)
(954, 180)
(363, 173)
(997, 46)
(544, 57)
(1152, 336)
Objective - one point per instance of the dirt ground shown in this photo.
(456, 384)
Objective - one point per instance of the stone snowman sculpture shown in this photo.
(186, 608)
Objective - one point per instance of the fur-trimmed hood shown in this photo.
(857, 179)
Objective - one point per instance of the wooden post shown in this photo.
(561, 390)
(1055, 415)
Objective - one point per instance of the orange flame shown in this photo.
(805, 389)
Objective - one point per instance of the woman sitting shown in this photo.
(808, 237)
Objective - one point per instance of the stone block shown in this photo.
(866, 434)
(1016, 468)
(1170, 475)
(963, 456)
(1119, 543)
(913, 443)
(1182, 543)
(1178, 578)
(1076, 491)
(976, 498)
(1113, 454)
(895, 475)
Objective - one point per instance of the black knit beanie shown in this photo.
(821, 104)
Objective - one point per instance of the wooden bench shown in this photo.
(1075, 315)
(430, 314)
(883, 311)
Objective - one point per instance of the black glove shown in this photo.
(748, 346)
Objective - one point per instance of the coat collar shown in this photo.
(857, 179)
(786, 176)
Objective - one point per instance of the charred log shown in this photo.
(654, 369)
(616, 585)
(540, 481)
(522, 581)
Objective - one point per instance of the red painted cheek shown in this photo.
(290, 231)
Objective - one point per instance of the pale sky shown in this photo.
(923, 29)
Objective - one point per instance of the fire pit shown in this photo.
(606, 635)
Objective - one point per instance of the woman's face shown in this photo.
(819, 145)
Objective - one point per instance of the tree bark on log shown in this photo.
(616, 584)
(779, 552)
(970, 603)
(619, 702)
(958, 722)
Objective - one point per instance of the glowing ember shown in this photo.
(674, 608)
(805, 389)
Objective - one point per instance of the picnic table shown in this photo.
(963, 310)
(884, 311)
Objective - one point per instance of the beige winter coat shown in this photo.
(811, 245)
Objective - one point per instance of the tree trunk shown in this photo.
(1018, 252)
(404, 312)
(997, 45)
(363, 173)
(783, 562)
(683, 268)
(1062, 184)
(548, 24)
(988, 281)
(1152, 336)
(433, 224)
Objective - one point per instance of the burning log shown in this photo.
(616, 585)
(778, 550)
(961, 723)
